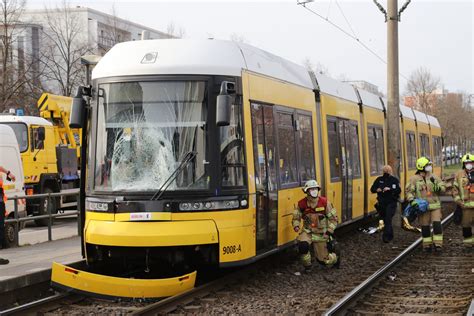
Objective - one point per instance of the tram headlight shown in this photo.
(98, 205)
(211, 205)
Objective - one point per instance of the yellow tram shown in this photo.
(198, 150)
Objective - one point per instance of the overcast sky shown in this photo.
(434, 34)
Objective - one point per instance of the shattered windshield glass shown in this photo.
(145, 129)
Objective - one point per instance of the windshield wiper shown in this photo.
(187, 158)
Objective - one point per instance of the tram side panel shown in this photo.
(344, 178)
(411, 153)
(279, 114)
(375, 154)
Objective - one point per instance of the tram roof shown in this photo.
(336, 88)
(421, 117)
(371, 100)
(406, 111)
(29, 120)
(433, 120)
(196, 57)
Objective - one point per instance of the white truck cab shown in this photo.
(10, 159)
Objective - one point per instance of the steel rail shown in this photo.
(171, 303)
(35, 304)
(340, 306)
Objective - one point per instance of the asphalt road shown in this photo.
(63, 227)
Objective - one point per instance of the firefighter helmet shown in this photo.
(422, 162)
(310, 184)
(467, 158)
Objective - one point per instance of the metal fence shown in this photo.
(17, 220)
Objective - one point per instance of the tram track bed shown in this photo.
(433, 283)
(277, 284)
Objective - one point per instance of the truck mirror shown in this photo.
(78, 109)
(224, 103)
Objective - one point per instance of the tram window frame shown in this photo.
(411, 149)
(424, 145)
(355, 154)
(301, 140)
(436, 140)
(279, 126)
(334, 169)
(378, 146)
(236, 120)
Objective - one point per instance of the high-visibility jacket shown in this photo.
(463, 190)
(419, 187)
(318, 218)
(2, 191)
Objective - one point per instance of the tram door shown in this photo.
(265, 176)
(344, 157)
(346, 168)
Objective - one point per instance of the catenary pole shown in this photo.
(393, 94)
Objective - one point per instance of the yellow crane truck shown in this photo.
(49, 153)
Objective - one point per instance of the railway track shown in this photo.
(417, 283)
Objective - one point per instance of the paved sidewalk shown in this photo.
(31, 259)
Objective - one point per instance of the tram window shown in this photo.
(232, 150)
(437, 150)
(411, 150)
(355, 153)
(334, 158)
(424, 145)
(305, 148)
(287, 149)
(376, 149)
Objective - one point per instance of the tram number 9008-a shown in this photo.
(227, 250)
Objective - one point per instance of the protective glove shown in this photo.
(327, 235)
(414, 203)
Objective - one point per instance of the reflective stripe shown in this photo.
(427, 240)
(316, 238)
(469, 240)
(434, 206)
(437, 237)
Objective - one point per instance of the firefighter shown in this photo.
(3, 199)
(427, 186)
(319, 222)
(463, 194)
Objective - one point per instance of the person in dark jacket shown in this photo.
(388, 191)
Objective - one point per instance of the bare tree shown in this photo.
(19, 67)
(319, 68)
(421, 86)
(63, 45)
(175, 32)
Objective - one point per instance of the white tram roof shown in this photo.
(196, 57)
(370, 99)
(336, 88)
(29, 120)
(406, 112)
(433, 121)
(420, 116)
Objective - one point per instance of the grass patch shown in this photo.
(451, 169)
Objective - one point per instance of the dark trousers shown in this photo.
(2, 221)
(389, 211)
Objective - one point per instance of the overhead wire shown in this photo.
(354, 37)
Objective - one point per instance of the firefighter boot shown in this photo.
(468, 240)
(427, 240)
(438, 236)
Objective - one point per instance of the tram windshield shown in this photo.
(144, 131)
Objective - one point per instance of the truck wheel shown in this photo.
(9, 238)
(46, 204)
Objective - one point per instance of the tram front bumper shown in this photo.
(151, 234)
(97, 285)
